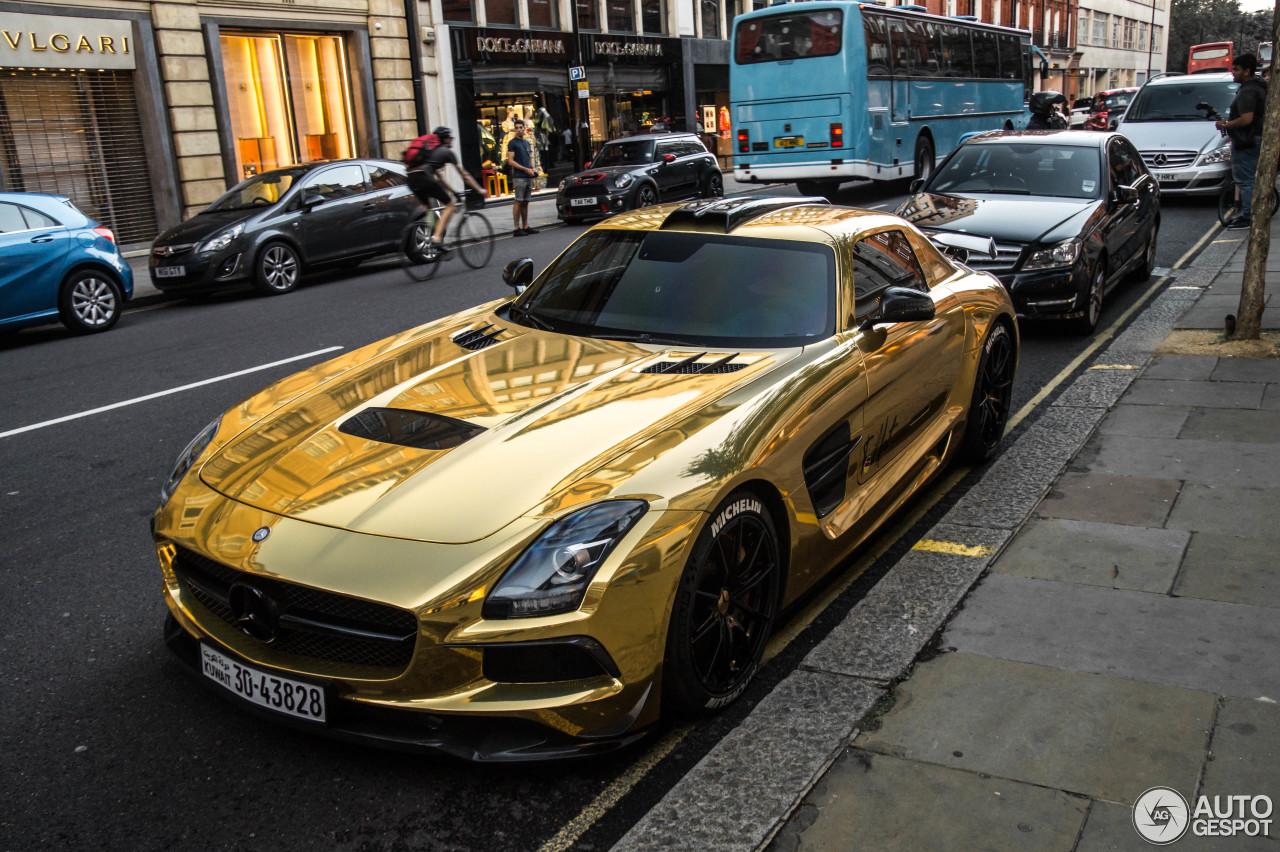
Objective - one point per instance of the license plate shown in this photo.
(170, 271)
(281, 694)
(789, 142)
(1165, 177)
(584, 202)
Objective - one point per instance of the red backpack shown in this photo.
(418, 149)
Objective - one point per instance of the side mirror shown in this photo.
(1044, 68)
(916, 184)
(901, 304)
(1114, 124)
(518, 274)
(1127, 194)
(668, 158)
(311, 200)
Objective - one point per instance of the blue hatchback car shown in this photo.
(58, 264)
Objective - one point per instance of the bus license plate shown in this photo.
(281, 694)
(789, 142)
(171, 271)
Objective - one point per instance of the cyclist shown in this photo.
(425, 183)
(1044, 112)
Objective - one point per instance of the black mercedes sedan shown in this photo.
(272, 227)
(1072, 213)
(637, 171)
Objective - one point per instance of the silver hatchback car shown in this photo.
(1183, 149)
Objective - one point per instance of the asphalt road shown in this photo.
(107, 744)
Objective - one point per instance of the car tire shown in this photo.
(90, 301)
(817, 188)
(992, 395)
(924, 159)
(1148, 263)
(724, 608)
(645, 196)
(277, 270)
(714, 186)
(1093, 299)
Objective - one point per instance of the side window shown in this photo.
(11, 219)
(335, 183)
(36, 219)
(1124, 171)
(1134, 157)
(986, 55)
(875, 32)
(881, 261)
(691, 149)
(664, 149)
(382, 178)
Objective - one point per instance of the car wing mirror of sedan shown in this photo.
(963, 246)
(518, 273)
(901, 304)
(916, 184)
(311, 200)
(1127, 194)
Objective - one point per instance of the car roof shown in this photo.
(666, 134)
(1174, 79)
(59, 207)
(1121, 89)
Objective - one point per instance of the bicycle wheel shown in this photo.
(415, 257)
(474, 240)
(1228, 206)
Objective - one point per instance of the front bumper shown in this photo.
(200, 272)
(601, 204)
(1059, 294)
(1204, 180)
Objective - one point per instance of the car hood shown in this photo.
(1016, 218)
(202, 226)
(521, 420)
(1154, 136)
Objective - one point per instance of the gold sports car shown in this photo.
(526, 530)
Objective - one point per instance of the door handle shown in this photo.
(45, 238)
(368, 205)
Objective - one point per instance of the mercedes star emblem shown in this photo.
(261, 533)
(255, 613)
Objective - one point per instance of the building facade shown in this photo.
(1121, 42)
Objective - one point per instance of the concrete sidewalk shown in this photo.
(1111, 601)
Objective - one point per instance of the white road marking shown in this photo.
(159, 394)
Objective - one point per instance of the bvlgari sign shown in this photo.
(48, 41)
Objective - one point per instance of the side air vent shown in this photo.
(692, 365)
(417, 429)
(722, 215)
(826, 467)
(478, 338)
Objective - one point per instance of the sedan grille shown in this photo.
(314, 624)
(170, 251)
(1007, 255)
(1168, 159)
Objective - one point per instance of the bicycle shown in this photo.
(470, 237)
(1229, 198)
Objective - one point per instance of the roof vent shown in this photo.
(692, 365)
(478, 338)
(722, 215)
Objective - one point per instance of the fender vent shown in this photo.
(692, 365)
(478, 338)
(826, 467)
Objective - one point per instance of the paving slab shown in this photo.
(1250, 426)
(1230, 569)
(1204, 318)
(1247, 370)
(1110, 829)
(1196, 367)
(1245, 752)
(1154, 421)
(1197, 644)
(873, 801)
(1111, 555)
(1271, 398)
(1190, 460)
(1138, 501)
(1209, 394)
(1238, 510)
(747, 784)
(886, 629)
(1103, 737)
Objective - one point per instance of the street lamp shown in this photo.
(1151, 37)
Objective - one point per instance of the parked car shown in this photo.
(1072, 213)
(1108, 106)
(57, 264)
(637, 171)
(525, 530)
(274, 226)
(1081, 108)
(1182, 148)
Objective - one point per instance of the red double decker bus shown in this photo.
(1214, 56)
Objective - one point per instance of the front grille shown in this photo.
(314, 624)
(1173, 159)
(1007, 255)
(172, 251)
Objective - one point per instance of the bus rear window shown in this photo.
(792, 35)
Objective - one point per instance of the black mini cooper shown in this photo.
(637, 171)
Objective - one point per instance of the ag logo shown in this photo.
(1161, 816)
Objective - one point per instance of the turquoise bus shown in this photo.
(824, 92)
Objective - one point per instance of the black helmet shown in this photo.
(443, 132)
(1041, 103)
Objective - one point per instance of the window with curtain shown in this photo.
(711, 18)
(500, 13)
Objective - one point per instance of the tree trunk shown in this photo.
(1249, 313)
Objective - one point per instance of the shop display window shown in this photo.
(500, 13)
(621, 16)
(588, 16)
(542, 13)
(289, 99)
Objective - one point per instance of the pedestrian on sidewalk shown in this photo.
(1244, 127)
(520, 156)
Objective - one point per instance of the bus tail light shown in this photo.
(837, 135)
(744, 141)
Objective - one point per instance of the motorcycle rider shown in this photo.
(1044, 111)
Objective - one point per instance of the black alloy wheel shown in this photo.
(90, 301)
(277, 270)
(1148, 264)
(724, 608)
(416, 257)
(1093, 304)
(924, 159)
(714, 187)
(992, 396)
(645, 196)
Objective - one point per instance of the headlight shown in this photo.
(552, 575)
(1063, 254)
(223, 240)
(565, 182)
(187, 458)
(623, 181)
(1217, 155)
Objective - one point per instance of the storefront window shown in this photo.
(651, 16)
(621, 16)
(500, 13)
(542, 13)
(458, 11)
(588, 18)
(289, 100)
(710, 18)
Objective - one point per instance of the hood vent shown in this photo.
(478, 338)
(417, 429)
(723, 215)
(692, 365)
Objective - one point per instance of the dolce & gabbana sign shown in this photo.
(49, 41)
(488, 44)
(628, 48)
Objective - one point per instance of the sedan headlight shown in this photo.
(1221, 154)
(1063, 254)
(551, 576)
(623, 181)
(187, 458)
(223, 240)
